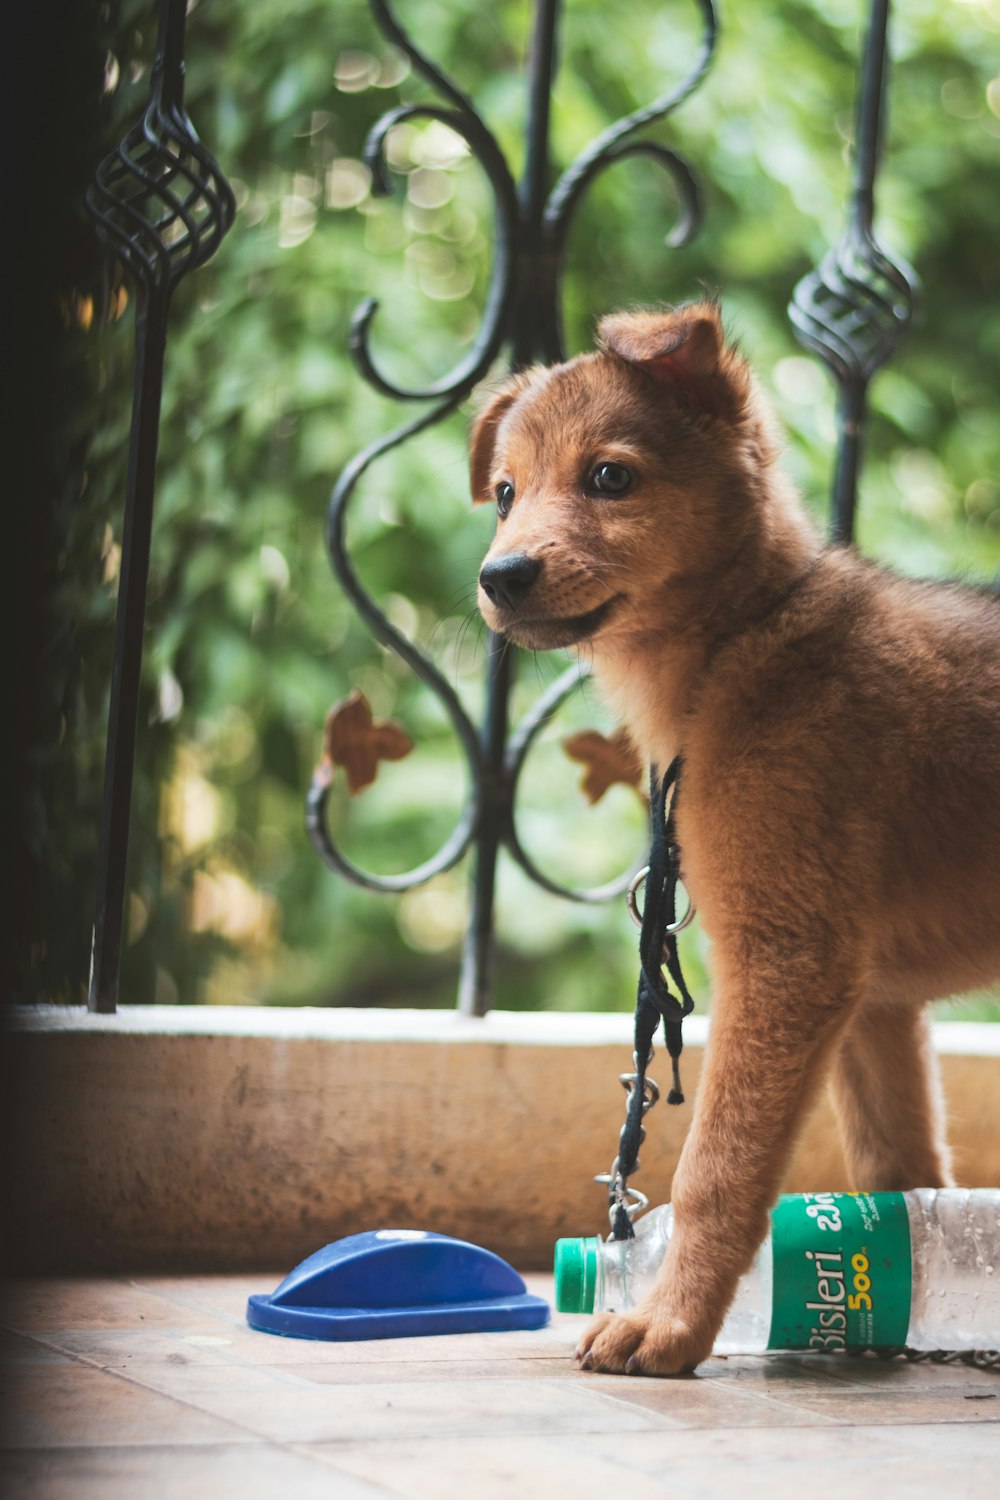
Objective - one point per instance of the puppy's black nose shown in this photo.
(507, 581)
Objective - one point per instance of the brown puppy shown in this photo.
(840, 813)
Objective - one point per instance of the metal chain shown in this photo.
(982, 1359)
(621, 1197)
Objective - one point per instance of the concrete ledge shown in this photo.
(238, 1138)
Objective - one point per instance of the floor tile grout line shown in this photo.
(93, 1364)
(123, 1279)
(292, 1447)
(173, 1301)
(35, 1337)
(29, 1337)
(764, 1397)
(261, 1439)
(878, 1431)
(285, 1372)
(633, 1405)
(816, 1418)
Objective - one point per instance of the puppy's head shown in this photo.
(614, 476)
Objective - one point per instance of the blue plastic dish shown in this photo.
(397, 1283)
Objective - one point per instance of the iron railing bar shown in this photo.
(475, 981)
(157, 268)
(112, 859)
(870, 114)
(843, 314)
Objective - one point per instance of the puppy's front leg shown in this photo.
(767, 1049)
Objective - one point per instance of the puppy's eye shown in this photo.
(611, 479)
(505, 497)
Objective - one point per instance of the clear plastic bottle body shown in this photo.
(626, 1270)
(955, 1256)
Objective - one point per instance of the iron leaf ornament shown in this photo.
(354, 739)
(607, 760)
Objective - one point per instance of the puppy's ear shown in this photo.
(484, 435)
(683, 348)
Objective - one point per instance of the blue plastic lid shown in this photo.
(397, 1283)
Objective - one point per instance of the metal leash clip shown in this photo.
(620, 1195)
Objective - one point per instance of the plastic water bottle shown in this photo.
(838, 1271)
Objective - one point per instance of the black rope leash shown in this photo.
(655, 1002)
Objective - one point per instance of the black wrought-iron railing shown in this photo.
(161, 204)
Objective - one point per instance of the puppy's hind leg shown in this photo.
(887, 1096)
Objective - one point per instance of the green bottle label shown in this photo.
(841, 1271)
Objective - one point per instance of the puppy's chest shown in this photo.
(649, 700)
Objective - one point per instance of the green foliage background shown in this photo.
(248, 638)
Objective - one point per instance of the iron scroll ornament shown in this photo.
(522, 310)
(159, 200)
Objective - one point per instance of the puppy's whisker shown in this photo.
(461, 594)
(472, 618)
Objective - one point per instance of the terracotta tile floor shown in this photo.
(155, 1387)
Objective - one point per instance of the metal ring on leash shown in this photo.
(671, 929)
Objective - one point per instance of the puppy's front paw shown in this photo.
(642, 1342)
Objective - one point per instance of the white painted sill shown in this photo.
(525, 1028)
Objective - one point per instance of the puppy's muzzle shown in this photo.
(507, 581)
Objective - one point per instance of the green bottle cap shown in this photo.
(576, 1275)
